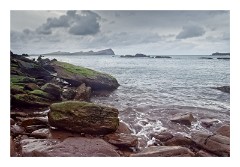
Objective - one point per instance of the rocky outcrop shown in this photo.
(224, 130)
(165, 151)
(217, 144)
(83, 117)
(76, 75)
(83, 93)
(70, 147)
(225, 89)
(185, 119)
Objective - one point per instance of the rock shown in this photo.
(122, 140)
(123, 128)
(43, 94)
(28, 100)
(16, 89)
(207, 122)
(34, 121)
(68, 94)
(217, 144)
(202, 153)
(185, 119)
(17, 79)
(76, 75)
(225, 89)
(32, 128)
(12, 122)
(168, 57)
(12, 147)
(31, 86)
(164, 151)
(179, 140)
(83, 117)
(18, 114)
(16, 130)
(83, 93)
(52, 89)
(70, 147)
(162, 136)
(41, 133)
(224, 130)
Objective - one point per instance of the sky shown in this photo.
(153, 32)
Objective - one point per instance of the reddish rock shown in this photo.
(83, 93)
(16, 130)
(185, 119)
(179, 140)
(207, 122)
(217, 144)
(224, 131)
(31, 86)
(164, 151)
(162, 136)
(122, 140)
(41, 133)
(202, 153)
(62, 135)
(70, 147)
(123, 128)
(12, 147)
(34, 121)
(12, 122)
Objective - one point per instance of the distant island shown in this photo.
(220, 54)
(100, 52)
(143, 55)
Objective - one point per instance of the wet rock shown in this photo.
(224, 131)
(123, 128)
(34, 121)
(202, 153)
(162, 136)
(68, 93)
(12, 122)
(208, 122)
(12, 147)
(164, 151)
(52, 89)
(61, 134)
(32, 128)
(83, 117)
(179, 140)
(76, 75)
(31, 86)
(28, 100)
(217, 144)
(44, 95)
(185, 119)
(122, 140)
(18, 114)
(16, 130)
(41, 133)
(83, 93)
(71, 147)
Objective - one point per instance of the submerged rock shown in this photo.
(76, 75)
(83, 117)
(83, 93)
(183, 119)
(70, 147)
(165, 151)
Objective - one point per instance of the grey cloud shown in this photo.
(190, 31)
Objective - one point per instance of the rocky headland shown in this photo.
(52, 115)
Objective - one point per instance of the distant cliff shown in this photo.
(100, 52)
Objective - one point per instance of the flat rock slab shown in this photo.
(165, 151)
(70, 147)
(122, 140)
(224, 131)
(162, 136)
(185, 119)
(217, 144)
(34, 121)
(207, 122)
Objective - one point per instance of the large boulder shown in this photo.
(83, 117)
(70, 147)
(185, 119)
(83, 93)
(76, 75)
(217, 144)
(165, 151)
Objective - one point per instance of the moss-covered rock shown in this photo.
(21, 79)
(16, 89)
(77, 75)
(28, 100)
(43, 94)
(83, 117)
(52, 89)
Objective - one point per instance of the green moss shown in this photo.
(21, 79)
(41, 93)
(16, 89)
(80, 70)
(56, 115)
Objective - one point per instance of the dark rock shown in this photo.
(162, 136)
(140, 55)
(122, 140)
(183, 119)
(12, 122)
(224, 130)
(205, 58)
(16, 89)
(207, 122)
(28, 100)
(16, 130)
(34, 121)
(83, 117)
(202, 153)
(68, 94)
(52, 89)
(168, 57)
(19, 79)
(18, 114)
(71, 147)
(76, 75)
(217, 144)
(165, 151)
(32, 128)
(225, 89)
(31, 86)
(123, 128)
(12, 147)
(224, 58)
(41, 133)
(83, 93)
(44, 95)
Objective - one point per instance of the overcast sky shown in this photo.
(126, 32)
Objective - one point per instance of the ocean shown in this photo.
(152, 90)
